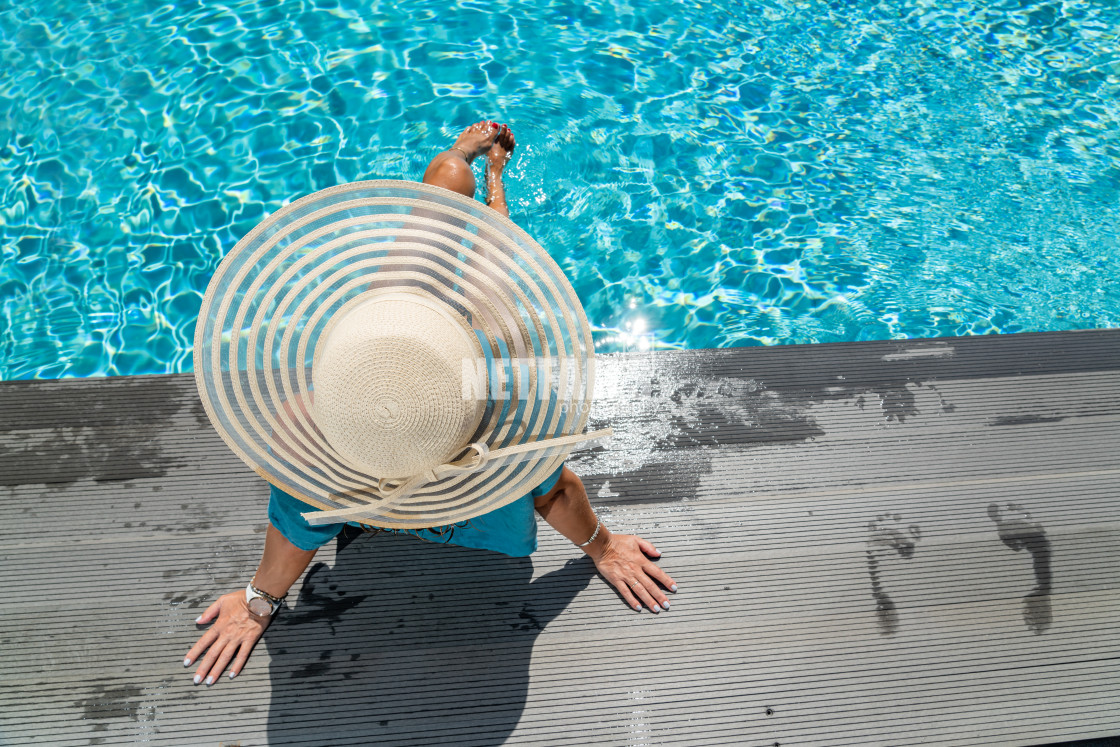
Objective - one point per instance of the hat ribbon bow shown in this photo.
(393, 491)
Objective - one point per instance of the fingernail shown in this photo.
(673, 587)
(638, 607)
(186, 662)
(197, 678)
(665, 605)
(655, 608)
(210, 680)
(198, 620)
(657, 551)
(232, 675)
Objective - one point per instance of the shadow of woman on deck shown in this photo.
(406, 642)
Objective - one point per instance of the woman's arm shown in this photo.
(623, 559)
(237, 630)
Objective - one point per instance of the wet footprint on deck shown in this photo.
(1017, 531)
(886, 537)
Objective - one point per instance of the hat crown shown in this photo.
(388, 381)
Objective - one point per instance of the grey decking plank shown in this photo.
(911, 454)
(622, 672)
(946, 542)
(701, 715)
(767, 484)
(794, 584)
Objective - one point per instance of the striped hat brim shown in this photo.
(274, 295)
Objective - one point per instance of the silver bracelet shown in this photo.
(465, 156)
(598, 524)
(265, 594)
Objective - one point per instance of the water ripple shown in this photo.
(762, 173)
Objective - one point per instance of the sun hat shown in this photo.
(397, 354)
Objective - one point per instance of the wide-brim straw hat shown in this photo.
(395, 354)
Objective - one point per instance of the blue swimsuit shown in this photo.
(511, 529)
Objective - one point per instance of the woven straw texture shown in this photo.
(297, 385)
(388, 380)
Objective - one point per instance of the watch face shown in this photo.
(260, 607)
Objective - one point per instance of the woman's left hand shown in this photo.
(624, 561)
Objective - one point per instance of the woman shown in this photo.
(240, 617)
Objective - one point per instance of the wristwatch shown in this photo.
(260, 603)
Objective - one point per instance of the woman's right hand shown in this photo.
(234, 634)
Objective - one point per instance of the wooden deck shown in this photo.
(881, 543)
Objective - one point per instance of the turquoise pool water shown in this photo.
(708, 174)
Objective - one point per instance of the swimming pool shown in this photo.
(708, 175)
